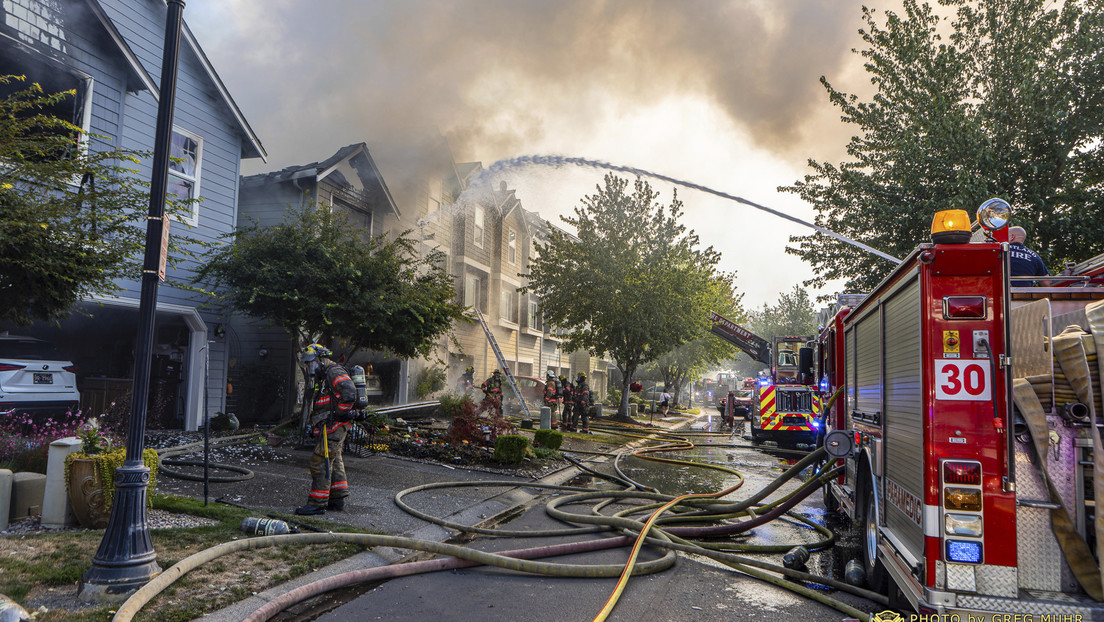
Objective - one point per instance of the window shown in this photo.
(509, 310)
(472, 284)
(478, 226)
(186, 151)
(534, 313)
(511, 246)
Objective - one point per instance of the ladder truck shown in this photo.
(968, 428)
(785, 406)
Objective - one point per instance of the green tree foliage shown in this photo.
(315, 276)
(692, 359)
(1010, 104)
(793, 314)
(633, 284)
(72, 213)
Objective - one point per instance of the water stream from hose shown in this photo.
(553, 161)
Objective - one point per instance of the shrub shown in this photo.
(25, 441)
(545, 453)
(510, 448)
(613, 398)
(551, 439)
(468, 423)
(430, 379)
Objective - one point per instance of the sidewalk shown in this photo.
(373, 482)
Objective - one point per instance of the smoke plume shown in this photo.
(495, 75)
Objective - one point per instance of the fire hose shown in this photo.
(693, 507)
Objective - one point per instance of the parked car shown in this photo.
(531, 388)
(36, 378)
(742, 407)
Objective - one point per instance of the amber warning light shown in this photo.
(951, 226)
(962, 473)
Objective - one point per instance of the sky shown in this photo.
(724, 94)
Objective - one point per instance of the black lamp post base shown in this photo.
(125, 560)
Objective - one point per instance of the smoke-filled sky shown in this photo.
(720, 93)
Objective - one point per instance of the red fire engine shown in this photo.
(957, 512)
(787, 405)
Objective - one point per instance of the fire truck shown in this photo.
(965, 434)
(787, 405)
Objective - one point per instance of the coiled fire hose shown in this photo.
(166, 455)
(698, 508)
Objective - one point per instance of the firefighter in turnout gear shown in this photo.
(567, 392)
(466, 382)
(583, 402)
(492, 393)
(334, 398)
(551, 393)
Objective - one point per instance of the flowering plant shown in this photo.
(24, 440)
(94, 439)
(636, 387)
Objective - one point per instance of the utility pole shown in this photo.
(126, 560)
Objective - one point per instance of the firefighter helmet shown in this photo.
(315, 351)
(581, 378)
(550, 374)
(469, 370)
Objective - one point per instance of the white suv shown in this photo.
(35, 378)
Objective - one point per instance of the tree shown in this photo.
(793, 314)
(1010, 105)
(71, 223)
(692, 359)
(315, 277)
(633, 284)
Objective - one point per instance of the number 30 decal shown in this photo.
(962, 380)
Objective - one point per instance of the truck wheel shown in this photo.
(875, 571)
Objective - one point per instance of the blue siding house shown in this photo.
(110, 52)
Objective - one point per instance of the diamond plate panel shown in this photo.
(1041, 564)
(960, 577)
(996, 580)
(940, 575)
(1034, 605)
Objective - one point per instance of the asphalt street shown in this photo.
(694, 589)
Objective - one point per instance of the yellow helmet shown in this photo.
(315, 351)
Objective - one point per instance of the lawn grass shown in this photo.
(30, 565)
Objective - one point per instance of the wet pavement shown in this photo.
(695, 589)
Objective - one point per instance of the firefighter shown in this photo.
(466, 382)
(567, 392)
(583, 401)
(552, 393)
(335, 397)
(492, 393)
(1024, 261)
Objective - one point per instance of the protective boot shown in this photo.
(310, 510)
(337, 505)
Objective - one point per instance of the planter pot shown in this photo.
(86, 494)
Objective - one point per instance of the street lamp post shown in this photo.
(126, 560)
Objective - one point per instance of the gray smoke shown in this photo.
(492, 75)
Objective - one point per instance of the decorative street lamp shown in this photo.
(126, 560)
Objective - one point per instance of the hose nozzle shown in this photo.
(1075, 412)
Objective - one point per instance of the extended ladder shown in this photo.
(502, 363)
